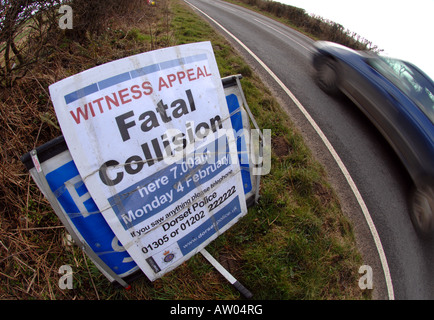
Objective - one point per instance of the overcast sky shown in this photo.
(404, 29)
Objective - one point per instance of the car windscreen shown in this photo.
(409, 80)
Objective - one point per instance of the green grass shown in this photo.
(294, 244)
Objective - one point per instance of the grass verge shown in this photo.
(295, 244)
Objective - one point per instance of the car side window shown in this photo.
(391, 72)
(409, 80)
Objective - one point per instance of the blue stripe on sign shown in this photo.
(195, 58)
(81, 93)
(103, 84)
(171, 63)
(114, 80)
(144, 71)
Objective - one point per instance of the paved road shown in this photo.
(378, 174)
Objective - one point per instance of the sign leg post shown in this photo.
(243, 290)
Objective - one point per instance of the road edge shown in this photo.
(326, 143)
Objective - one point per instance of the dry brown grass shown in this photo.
(31, 236)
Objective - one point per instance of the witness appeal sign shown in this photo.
(152, 139)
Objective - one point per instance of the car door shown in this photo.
(384, 104)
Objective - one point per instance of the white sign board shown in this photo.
(152, 139)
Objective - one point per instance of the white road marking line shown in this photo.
(283, 34)
(332, 151)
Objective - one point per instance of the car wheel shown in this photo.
(327, 76)
(422, 213)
